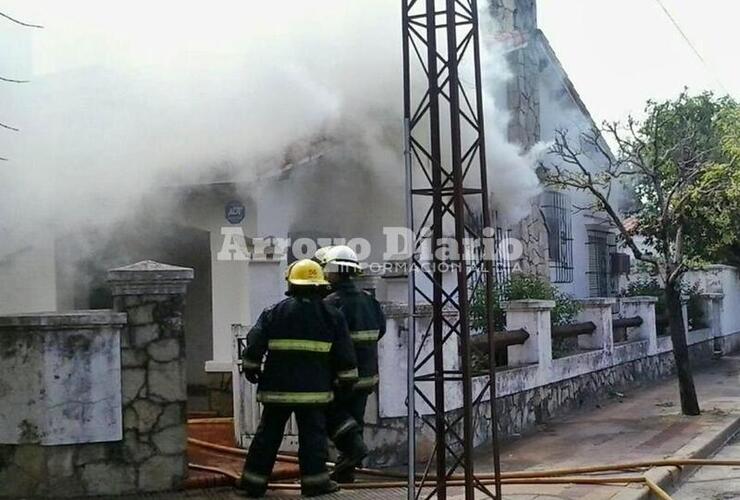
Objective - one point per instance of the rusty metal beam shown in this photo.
(501, 339)
(627, 322)
(573, 330)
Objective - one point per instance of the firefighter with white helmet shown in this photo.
(320, 255)
(341, 259)
(299, 352)
(366, 323)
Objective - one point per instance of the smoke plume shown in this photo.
(128, 97)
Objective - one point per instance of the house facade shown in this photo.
(324, 194)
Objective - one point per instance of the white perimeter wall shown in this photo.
(725, 280)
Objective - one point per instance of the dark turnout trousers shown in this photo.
(346, 421)
(312, 443)
(347, 414)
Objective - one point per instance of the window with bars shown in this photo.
(601, 245)
(556, 212)
(502, 263)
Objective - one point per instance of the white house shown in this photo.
(324, 193)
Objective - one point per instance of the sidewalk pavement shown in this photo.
(644, 424)
(641, 424)
(714, 483)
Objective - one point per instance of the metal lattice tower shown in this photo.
(447, 193)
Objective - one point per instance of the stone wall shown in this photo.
(537, 387)
(523, 104)
(523, 89)
(214, 398)
(521, 412)
(150, 455)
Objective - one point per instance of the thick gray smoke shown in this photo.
(511, 171)
(127, 97)
(123, 100)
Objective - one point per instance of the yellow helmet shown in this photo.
(306, 272)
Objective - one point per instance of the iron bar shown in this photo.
(627, 322)
(411, 319)
(487, 259)
(501, 339)
(573, 330)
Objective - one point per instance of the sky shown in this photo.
(618, 53)
(621, 53)
(125, 95)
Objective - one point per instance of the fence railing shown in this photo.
(247, 410)
(527, 341)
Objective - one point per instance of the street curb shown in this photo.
(700, 447)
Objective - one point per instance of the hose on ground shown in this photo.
(457, 482)
(659, 492)
(620, 467)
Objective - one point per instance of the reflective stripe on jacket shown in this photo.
(305, 345)
(366, 323)
(295, 398)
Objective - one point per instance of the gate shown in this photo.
(247, 410)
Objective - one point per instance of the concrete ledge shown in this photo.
(399, 310)
(149, 278)
(703, 446)
(597, 301)
(529, 305)
(68, 320)
(644, 299)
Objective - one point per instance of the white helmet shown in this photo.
(341, 257)
(320, 255)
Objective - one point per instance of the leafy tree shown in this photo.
(519, 287)
(681, 165)
(650, 286)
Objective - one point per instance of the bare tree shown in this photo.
(671, 162)
(13, 80)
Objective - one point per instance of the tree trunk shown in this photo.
(689, 402)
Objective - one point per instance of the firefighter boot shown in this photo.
(353, 450)
(249, 488)
(320, 489)
(344, 476)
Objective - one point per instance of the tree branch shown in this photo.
(12, 80)
(584, 180)
(27, 25)
(9, 127)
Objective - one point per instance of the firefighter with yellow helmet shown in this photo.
(298, 353)
(366, 322)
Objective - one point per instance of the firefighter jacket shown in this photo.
(366, 323)
(308, 350)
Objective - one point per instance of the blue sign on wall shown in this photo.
(234, 212)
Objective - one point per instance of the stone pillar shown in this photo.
(643, 307)
(599, 311)
(534, 317)
(153, 371)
